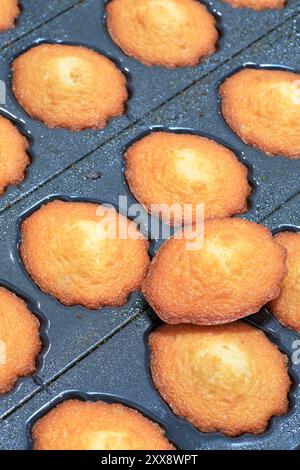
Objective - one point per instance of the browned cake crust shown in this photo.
(9, 12)
(256, 4)
(170, 33)
(77, 425)
(227, 378)
(69, 86)
(19, 340)
(69, 251)
(171, 168)
(13, 155)
(263, 108)
(238, 269)
(286, 307)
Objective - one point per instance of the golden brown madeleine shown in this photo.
(171, 168)
(227, 378)
(82, 253)
(256, 4)
(263, 108)
(77, 425)
(13, 156)
(69, 86)
(9, 12)
(238, 269)
(19, 340)
(170, 33)
(286, 307)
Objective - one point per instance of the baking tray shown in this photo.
(34, 14)
(151, 87)
(90, 165)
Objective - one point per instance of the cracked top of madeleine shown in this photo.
(9, 12)
(286, 307)
(166, 168)
(263, 108)
(69, 86)
(227, 378)
(235, 271)
(13, 156)
(19, 340)
(83, 253)
(256, 4)
(170, 33)
(77, 425)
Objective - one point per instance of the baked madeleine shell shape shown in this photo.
(227, 378)
(20, 342)
(263, 108)
(170, 33)
(9, 12)
(237, 270)
(77, 425)
(69, 86)
(13, 155)
(164, 168)
(83, 253)
(286, 307)
(256, 4)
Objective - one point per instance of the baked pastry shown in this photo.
(235, 271)
(83, 253)
(163, 169)
(20, 342)
(77, 425)
(170, 33)
(286, 307)
(256, 4)
(227, 378)
(9, 12)
(13, 155)
(69, 86)
(263, 108)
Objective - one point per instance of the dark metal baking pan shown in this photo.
(89, 166)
